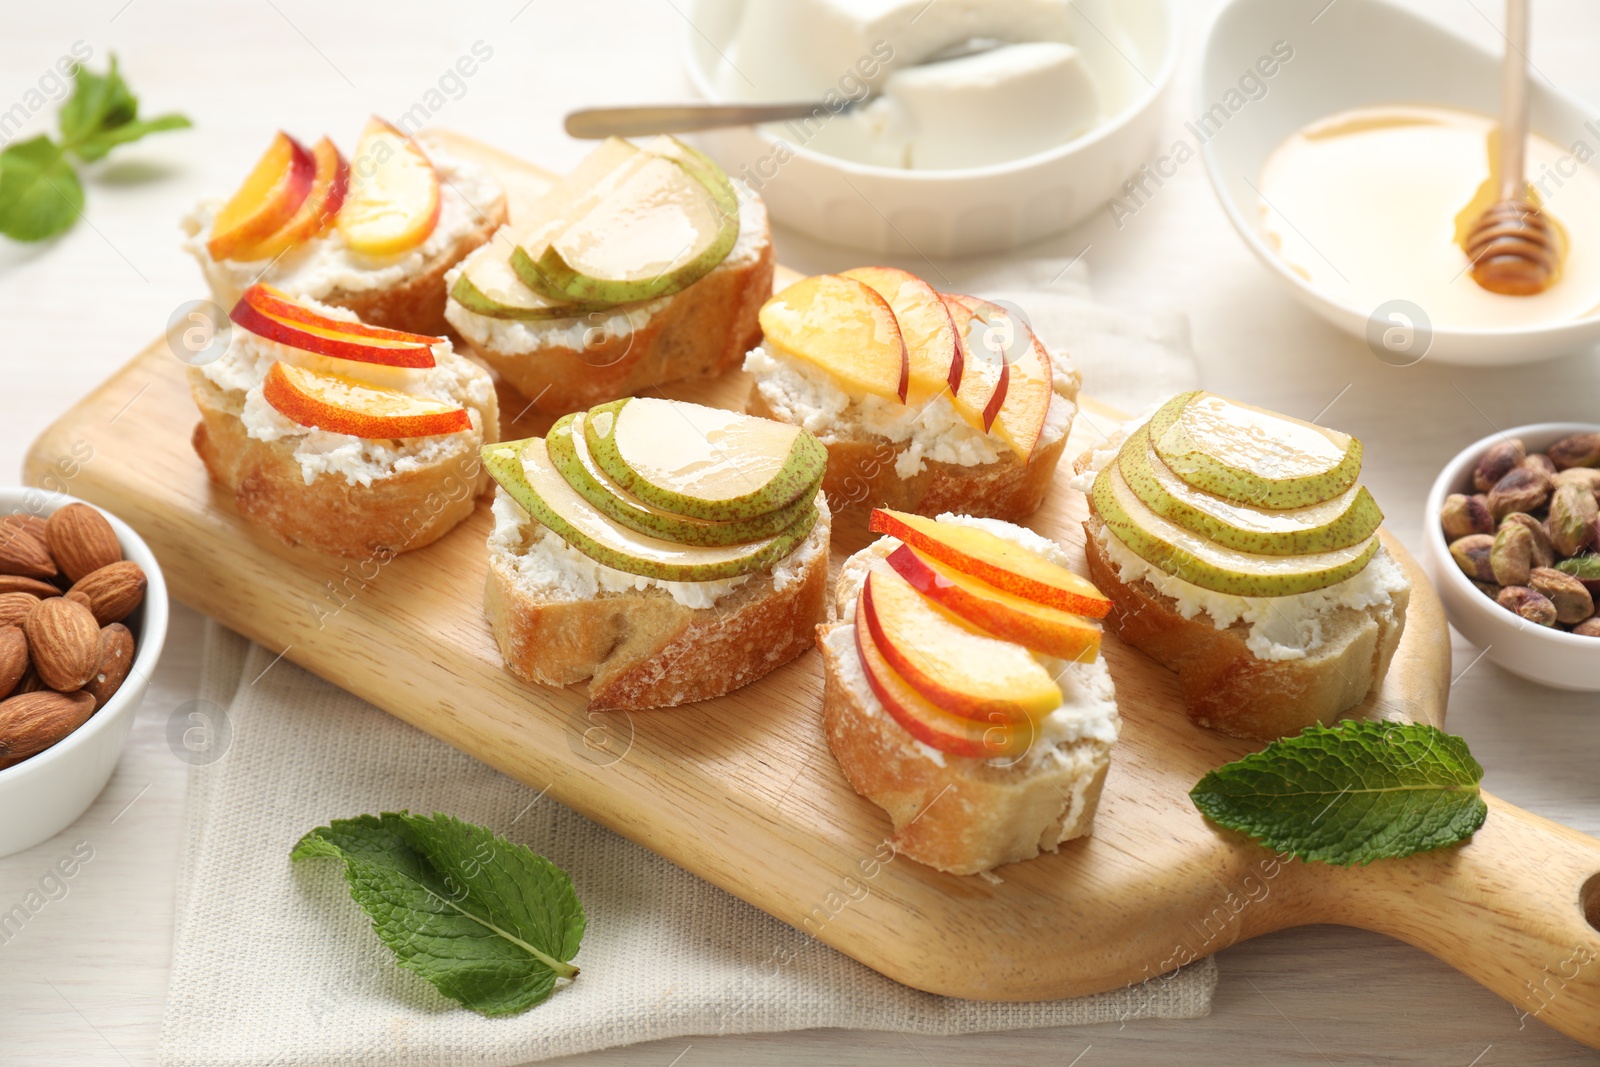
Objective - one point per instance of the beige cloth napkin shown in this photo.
(274, 964)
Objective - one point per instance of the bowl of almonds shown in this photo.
(83, 614)
(1513, 545)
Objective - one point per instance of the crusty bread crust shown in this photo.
(641, 649)
(702, 332)
(417, 304)
(967, 815)
(395, 514)
(861, 476)
(1225, 686)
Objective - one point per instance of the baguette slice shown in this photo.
(572, 364)
(639, 647)
(955, 813)
(1226, 686)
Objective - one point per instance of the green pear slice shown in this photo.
(1252, 456)
(487, 285)
(570, 453)
(1184, 554)
(705, 463)
(665, 227)
(1347, 519)
(524, 469)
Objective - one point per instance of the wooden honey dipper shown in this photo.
(1514, 249)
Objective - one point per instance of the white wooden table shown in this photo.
(85, 980)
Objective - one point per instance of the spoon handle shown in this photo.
(596, 122)
(1514, 102)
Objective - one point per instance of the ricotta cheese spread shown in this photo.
(1281, 627)
(512, 337)
(1088, 707)
(240, 371)
(805, 395)
(549, 567)
(326, 264)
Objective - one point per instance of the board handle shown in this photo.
(1516, 909)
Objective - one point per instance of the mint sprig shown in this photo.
(1353, 793)
(40, 194)
(488, 922)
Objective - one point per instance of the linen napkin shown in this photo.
(273, 963)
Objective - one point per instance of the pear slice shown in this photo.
(1184, 554)
(524, 469)
(570, 454)
(705, 463)
(1252, 456)
(666, 226)
(1347, 519)
(487, 285)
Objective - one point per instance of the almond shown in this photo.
(114, 590)
(30, 683)
(23, 552)
(16, 607)
(116, 657)
(13, 658)
(79, 597)
(34, 524)
(64, 642)
(32, 722)
(16, 583)
(81, 540)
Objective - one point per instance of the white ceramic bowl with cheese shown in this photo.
(1131, 45)
(1362, 53)
(1538, 653)
(44, 794)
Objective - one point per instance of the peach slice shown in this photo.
(844, 327)
(317, 211)
(1029, 387)
(268, 313)
(958, 669)
(939, 729)
(984, 374)
(338, 404)
(393, 202)
(274, 190)
(925, 323)
(995, 560)
(1046, 630)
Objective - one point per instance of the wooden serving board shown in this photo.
(744, 791)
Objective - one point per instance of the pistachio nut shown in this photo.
(1544, 553)
(1497, 462)
(1573, 513)
(1511, 557)
(1528, 603)
(1588, 627)
(1523, 489)
(1463, 515)
(1578, 450)
(1471, 554)
(1488, 589)
(1588, 477)
(1541, 461)
(1573, 602)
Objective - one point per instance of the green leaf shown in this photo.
(1353, 793)
(1586, 568)
(96, 145)
(488, 922)
(39, 193)
(98, 102)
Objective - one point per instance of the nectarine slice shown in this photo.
(844, 327)
(938, 729)
(267, 313)
(338, 404)
(316, 212)
(958, 669)
(393, 202)
(930, 334)
(995, 560)
(1029, 387)
(271, 194)
(1046, 630)
(985, 374)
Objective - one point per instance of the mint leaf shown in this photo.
(97, 102)
(96, 145)
(1353, 793)
(488, 922)
(39, 193)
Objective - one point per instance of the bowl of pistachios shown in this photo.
(1513, 545)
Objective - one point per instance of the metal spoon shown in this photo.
(1514, 249)
(643, 120)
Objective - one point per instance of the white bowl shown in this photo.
(1538, 653)
(954, 212)
(43, 795)
(1361, 53)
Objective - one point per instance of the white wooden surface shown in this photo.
(84, 980)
